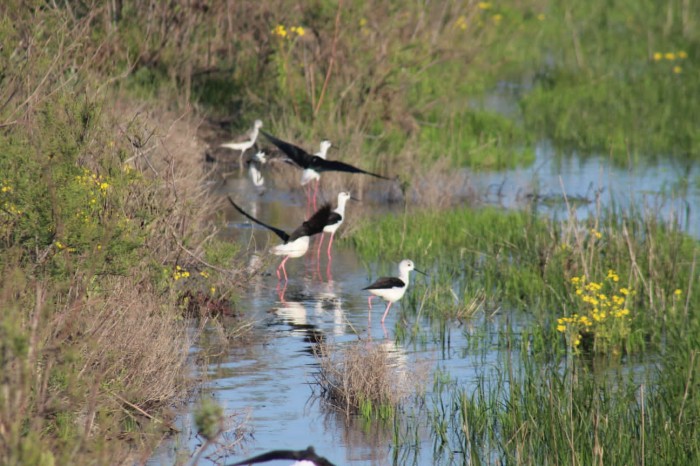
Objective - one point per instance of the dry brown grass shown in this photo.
(367, 376)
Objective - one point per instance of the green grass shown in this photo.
(525, 262)
(547, 400)
(533, 413)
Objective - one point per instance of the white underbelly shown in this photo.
(296, 248)
(389, 294)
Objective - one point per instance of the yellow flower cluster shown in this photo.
(180, 273)
(281, 31)
(461, 23)
(91, 179)
(671, 56)
(484, 5)
(8, 207)
(603, 311)
(61, 246)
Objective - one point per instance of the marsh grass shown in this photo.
(619, 397)
(366, 378)
(530, 413)
(522, 261)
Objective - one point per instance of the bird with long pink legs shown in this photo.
(391, 289)
(334, 221)
(297, 243)
(314, 165)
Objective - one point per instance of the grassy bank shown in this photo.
(105, 245)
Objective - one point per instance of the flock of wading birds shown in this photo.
(323, 220)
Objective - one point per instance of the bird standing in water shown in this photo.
(297, 243)
(391, 289)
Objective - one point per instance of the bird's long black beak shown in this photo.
(354, 199)
(420, 271)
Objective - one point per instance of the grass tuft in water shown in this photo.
(366, 378)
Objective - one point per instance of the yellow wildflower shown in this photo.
(298, 30)
(212, 290)
(596, 233)
(497, 18)
(461, 23)
(484, 5)
(677, 69)
(624, 291)
(670, 56)
(658, 56)
(540, 17)
(561, 328)
(204, 274)
(104, 186)
(280, 31)
(682, 55)
(677, 292)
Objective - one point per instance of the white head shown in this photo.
(343, 197)
(325, 145)
(257, 124)
(406, 266)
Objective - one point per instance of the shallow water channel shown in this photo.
(269, 384)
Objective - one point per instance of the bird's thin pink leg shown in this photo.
(369, 314)
(387, 311)
(329, 275)
(330, 244)
(284, 270)
(320, 243)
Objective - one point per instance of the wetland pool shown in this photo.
(269, 384)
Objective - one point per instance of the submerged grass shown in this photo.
(531, 413)
(366, 378)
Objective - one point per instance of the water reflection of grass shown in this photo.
(549, 400)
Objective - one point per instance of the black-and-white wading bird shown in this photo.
(306, 457)
(313, 165)
(297, 243)
(391, 289)
(246, 141)
(335, 220)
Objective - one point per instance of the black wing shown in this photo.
(296, 153)
(385, 283)
(321, 165)
(313, 225)
(334, 218)
(309, 454)
(282, 234)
